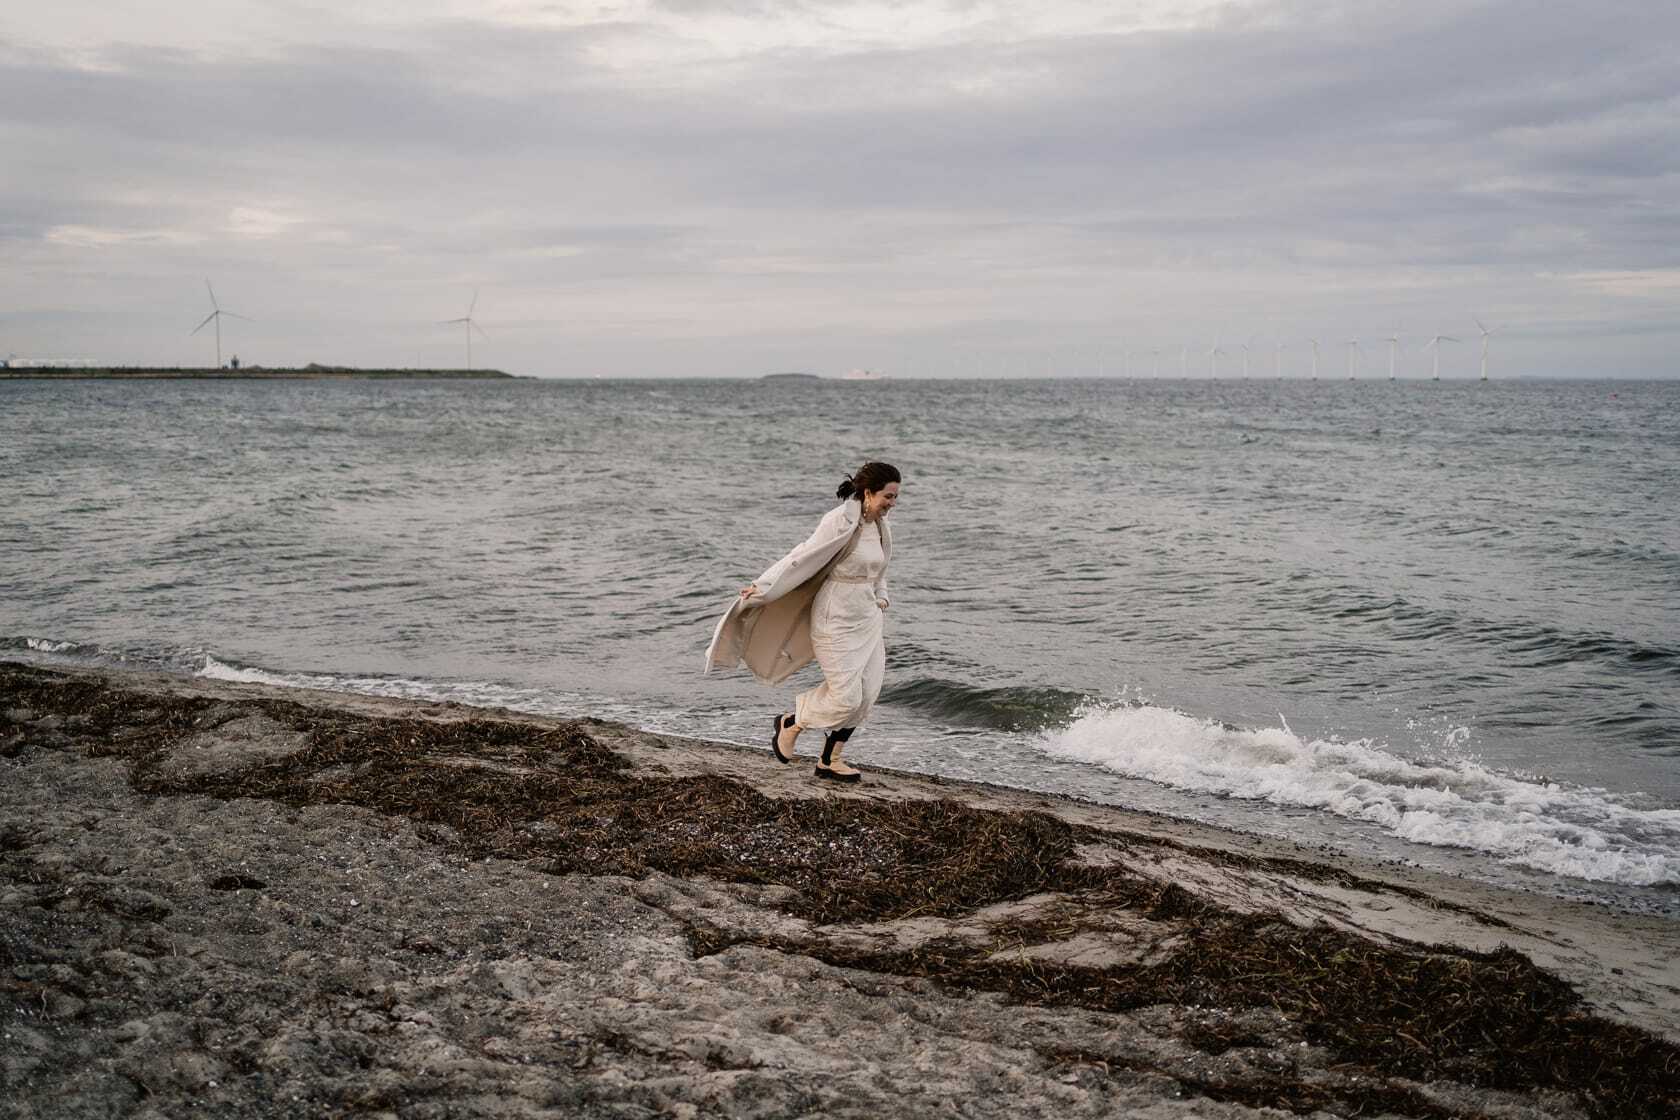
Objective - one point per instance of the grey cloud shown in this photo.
(1465, 139)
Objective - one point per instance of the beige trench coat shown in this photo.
(771, 632)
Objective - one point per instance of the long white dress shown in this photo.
(847, 636)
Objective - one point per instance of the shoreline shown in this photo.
(247, 896)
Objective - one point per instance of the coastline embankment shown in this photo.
(243, 373)
(240, 901)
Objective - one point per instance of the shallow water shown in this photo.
(1425, 621)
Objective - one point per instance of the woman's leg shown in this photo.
(833, 766)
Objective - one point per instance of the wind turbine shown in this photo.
(1184, 361)
(1314, 342)
(1393, 341)
(1213, 359)
(215, 317)
(1245, 347)
(470, 327)
(1435, 345)
(1353, 357)
(1155, 370)
(1277, 361)
(1486, 334)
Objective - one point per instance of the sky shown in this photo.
(740, 187)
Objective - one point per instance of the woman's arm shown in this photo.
(882, 598)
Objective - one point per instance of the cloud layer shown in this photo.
(730, 188)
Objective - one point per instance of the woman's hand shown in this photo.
(749, 591)
(882, 603)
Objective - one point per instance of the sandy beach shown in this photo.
(232, 900)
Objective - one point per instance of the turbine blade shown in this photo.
(448, 321)
(473, 306)
(236, 315)
(477, 328)
(205, 323)
(212, 292)
(1478, 323)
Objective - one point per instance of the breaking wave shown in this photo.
(1579, 832)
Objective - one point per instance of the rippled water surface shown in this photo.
(1427, 621)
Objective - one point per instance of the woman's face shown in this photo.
(878, 502)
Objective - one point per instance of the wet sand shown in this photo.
(232, 900)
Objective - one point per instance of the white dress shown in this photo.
(847, 636)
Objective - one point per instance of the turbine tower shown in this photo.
(1435, 345)
(1213, 359)
(1314, 342)
(1155, 370)
(1393, 341)
(1245, 348)
(471, 326)
(1353, 358)
(1277, 361)
(1184, 361)
(1486, 334)
(215, 317)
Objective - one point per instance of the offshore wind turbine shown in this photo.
(1277, 361)
(1213, 359)
(1155, 369)
(1435, 345)
(471, 326)
(1486, 334)
(1314, 342)
(1245, 347)
(215, 317)
(1393, 341)
(1184, 361)
(1353, 357)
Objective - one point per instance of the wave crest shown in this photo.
(1578, 832)
(1016, 708)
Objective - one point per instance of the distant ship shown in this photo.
(862, 375)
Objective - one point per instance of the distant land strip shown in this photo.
(315, 372)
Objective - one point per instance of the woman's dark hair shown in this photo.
(871, 477)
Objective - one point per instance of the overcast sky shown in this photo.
(705, 187)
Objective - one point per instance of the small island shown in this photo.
(791, 377)
(240, 373)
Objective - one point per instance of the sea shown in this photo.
(1436, 623)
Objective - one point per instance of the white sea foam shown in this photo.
(478, 694)
(1565, 830)
(222, 671)
(47, 645)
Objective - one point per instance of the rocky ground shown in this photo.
(225, 900)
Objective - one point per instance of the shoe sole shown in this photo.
(833, 777)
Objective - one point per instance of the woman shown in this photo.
(823, 601)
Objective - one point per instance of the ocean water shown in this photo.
(1429, 622)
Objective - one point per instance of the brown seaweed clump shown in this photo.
(553, 795)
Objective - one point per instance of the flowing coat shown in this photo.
(771, 631)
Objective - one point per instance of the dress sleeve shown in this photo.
(881, 584)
